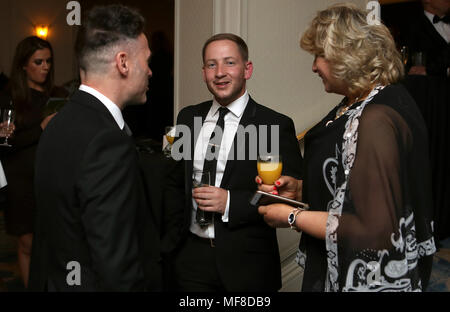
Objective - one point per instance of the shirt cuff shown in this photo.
(227, 209)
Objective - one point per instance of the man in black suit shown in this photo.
(234, 250)
(429, 33)
(93, 228)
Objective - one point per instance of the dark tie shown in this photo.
(445, 19)
(127, 129)
(210, 163)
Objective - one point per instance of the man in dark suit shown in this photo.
(429, 85)
(234, 250)
(429, 33)
(93, 229)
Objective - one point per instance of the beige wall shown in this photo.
(193, 25)
(282, 77)
(17, 18)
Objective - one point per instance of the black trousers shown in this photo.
(195, 268)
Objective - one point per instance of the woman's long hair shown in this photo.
(20, 92)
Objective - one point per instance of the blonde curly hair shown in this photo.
(360, 54)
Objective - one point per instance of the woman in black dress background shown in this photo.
(30, 87)
(367, 172)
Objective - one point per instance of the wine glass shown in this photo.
(405, 54)
(418, 58)
(201, 179)
(170, 137)
(269, 168)
(8, 115)
(170, 134)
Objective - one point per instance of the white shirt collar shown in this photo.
(442, 28)
(110, 105)
(237, 107)
(429, 16)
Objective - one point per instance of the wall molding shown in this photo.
(291, 272)
(231, 16)
(291, 275)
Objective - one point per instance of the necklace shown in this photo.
(344, 108)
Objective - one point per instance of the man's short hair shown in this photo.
(104, 28)
(243, 49)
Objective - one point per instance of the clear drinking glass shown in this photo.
(405, 54)
(7, 116)
(418, 59)
(201, 179)
(170, 137)
(269, 168)
(170, 134)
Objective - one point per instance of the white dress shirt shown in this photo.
(110, 105)
(442, 28)
(231, 120)
(3, 181)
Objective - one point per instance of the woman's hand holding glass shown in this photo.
(285, 186)
(7, 126)
(7, 130)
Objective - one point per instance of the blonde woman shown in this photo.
(367, 176)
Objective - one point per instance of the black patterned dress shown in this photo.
(370, 170)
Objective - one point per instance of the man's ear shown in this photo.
(248, 70)
(203, 73)
(122, 63)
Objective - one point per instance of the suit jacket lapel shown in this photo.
(247, 119)
(432, 32)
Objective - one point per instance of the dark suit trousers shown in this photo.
(195, 267)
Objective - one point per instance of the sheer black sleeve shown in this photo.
(375, 183)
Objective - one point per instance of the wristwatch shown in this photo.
(293, 216)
